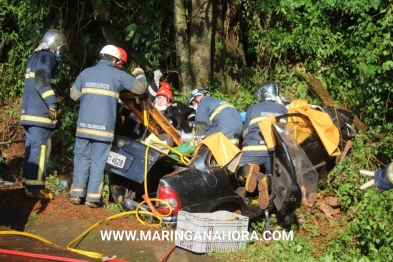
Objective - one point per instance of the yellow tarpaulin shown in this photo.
(266, 129)
(319, 122)
(223, 150)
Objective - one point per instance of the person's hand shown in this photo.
(157, 74)
(53, 112)
(369, 183)
(137, 71)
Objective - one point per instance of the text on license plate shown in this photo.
(115, 159)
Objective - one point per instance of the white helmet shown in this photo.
(111, 50)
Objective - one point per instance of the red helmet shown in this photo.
(123, 55)
(165, 92)
(165, 85)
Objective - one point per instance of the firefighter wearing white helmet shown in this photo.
(98, 89)
(39, 111)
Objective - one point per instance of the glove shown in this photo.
(157, 76)
(137, 71)
(53, 111)
(200, 128)
(186, 137)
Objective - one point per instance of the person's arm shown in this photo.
(42, 82)
(246, 123)
(154, 85)
(383, 178)
(202, 120)
(76, 92)
(139, 86)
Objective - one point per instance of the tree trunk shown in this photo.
(102, 13)
(318, 88)
(219, 57)
(182, 47)
(233, 35)
(200, 42)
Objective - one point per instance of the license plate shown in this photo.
(116, 159)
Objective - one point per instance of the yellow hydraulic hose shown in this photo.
(137, 212)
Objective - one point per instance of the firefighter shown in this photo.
(255, 156)
(214, 115)
(39, 111)
(98, 89)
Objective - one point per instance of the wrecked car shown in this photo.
(302, 154)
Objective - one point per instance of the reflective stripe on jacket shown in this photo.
(253, 142)
(219, 116)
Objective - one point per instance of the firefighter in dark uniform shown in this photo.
(215, 115)
(98, 89)
(253, 147)
(39, 111)
(255, 156)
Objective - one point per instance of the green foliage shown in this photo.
(55, 185)
(148, 29)
(347, 44)
(368, 235)
(106, 190)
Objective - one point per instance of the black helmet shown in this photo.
(268, 91)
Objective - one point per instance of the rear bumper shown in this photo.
(131, 205)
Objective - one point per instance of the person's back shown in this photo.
(252, 136)
(215, 115)
(253, 147)
(100, 86)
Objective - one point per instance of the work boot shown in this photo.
(40, 194)
(249, 173)
(118, 193)
(93, 204)
(264, 185)
(75, 200)
(241, 191)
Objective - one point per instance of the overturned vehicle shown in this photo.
(303, 152)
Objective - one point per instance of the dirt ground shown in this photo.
(60, 222)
